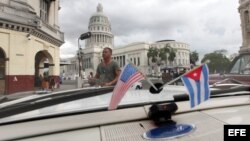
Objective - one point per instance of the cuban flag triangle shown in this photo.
(128, 76)
(196, 82)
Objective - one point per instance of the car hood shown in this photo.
(132, 97)
(214, 78)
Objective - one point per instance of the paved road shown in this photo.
(69, 82)
(66, 85)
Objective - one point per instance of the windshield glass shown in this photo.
(61, 55)
(242, 66)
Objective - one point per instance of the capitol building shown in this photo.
(102, 36)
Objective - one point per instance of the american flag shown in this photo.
(196, 82)
(129, 76)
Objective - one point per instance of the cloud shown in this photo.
(206, 25)
(68, 50)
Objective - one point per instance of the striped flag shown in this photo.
(129, 76)
(196, 82)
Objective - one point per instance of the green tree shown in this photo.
(194, 57)
(153, 54)
(162, 54)
(217, 62)
(172, 55)
(157, 55)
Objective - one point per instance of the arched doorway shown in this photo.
(2, 71)
(43, 66)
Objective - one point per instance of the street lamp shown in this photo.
(80, 53)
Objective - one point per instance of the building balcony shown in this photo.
(51, 30)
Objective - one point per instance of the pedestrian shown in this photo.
(52, 83)
(91, 75)
(166, 76)
(91, 79)
(45, 84)
(107, 71)
(40, 82)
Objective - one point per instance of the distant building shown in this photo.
(244, 10)
(100, 27)
(29, 37)
(69, 68)
(101, 37)
(182, 51)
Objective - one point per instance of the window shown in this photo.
(246, 14)
(120, 61)
(123, 60)
(44, 9)
(242, 66)
(245, 65)
(87, 63)
(235, 69)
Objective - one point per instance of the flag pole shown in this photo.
(146, 78)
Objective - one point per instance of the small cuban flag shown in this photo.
(196, 82)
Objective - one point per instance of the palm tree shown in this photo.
(163, 52)
(158, 55)
(153, 54)
(194, 57)
(172, 55)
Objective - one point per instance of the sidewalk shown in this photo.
(4, 98)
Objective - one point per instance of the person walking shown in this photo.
(166, 77)
(107, 71)
(52, 83)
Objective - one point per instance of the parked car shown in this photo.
(238, 72)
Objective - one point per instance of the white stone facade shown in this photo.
(182, 52)
(135, 53)
(244, 10)
(29, 36)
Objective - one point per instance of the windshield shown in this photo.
(242, 66)
(65, 57)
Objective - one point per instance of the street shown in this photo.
(66, 85)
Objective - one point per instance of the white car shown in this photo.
(137, 85)
(72, 107)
